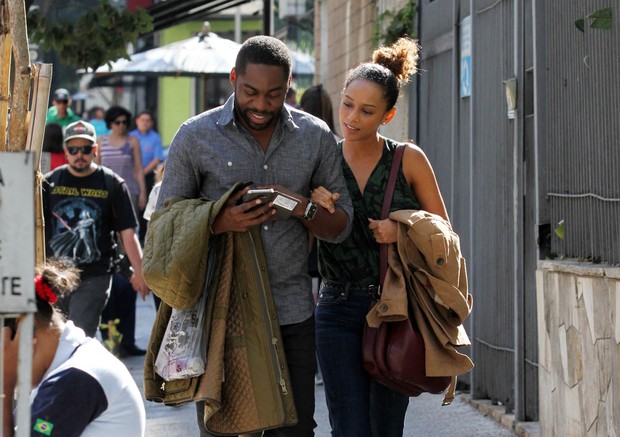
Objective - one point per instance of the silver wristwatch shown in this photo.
(310, 211)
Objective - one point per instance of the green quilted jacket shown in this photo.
(243, 337)
(174, 262)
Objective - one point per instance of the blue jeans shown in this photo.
(358, 405)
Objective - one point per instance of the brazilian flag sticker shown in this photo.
(43, 427)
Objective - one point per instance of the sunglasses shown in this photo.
(73, 150)
(64, 102)
(119, 122)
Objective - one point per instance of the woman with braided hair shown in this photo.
(80, 389)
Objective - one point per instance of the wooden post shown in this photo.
(5, 73)
(18, 123)
(40, 96)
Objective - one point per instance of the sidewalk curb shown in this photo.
(498, 413)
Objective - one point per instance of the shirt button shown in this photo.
(266, 227)
(265, 166)
(229, 164)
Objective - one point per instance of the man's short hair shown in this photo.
(265, 50)
(62, 94)
(80, 129)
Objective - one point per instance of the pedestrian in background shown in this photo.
(60, 112)
(317, 102)
(80, 388)
(53, 146)
(84, 206)
(291, 97)
(96, 117)
(121, 306)
(359, 405)
(152, 156)
(254, 136)
(121, 152)
(150, 208)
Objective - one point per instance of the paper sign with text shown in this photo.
(17, 255)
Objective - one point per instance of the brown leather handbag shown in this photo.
(394, 353)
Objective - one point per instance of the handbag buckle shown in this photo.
(374, 291)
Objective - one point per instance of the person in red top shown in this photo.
(53, 145)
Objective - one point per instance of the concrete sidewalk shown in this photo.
(425, 416)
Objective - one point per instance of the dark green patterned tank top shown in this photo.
(356, 259)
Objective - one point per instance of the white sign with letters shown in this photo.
(17, 254)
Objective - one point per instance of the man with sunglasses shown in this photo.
(84, 205)
(60, 112)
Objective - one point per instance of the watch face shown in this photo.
(310, 211)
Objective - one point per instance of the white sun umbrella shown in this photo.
(189, 57)
(208, 54)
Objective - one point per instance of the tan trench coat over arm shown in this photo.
(426, 269)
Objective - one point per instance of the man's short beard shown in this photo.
(80, 170)
(241, 114)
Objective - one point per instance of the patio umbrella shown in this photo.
(203, 54)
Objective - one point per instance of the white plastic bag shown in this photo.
(183, 349)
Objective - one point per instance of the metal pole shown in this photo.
(267, 11)
(24, 376)
(472, 212)
(518, 180)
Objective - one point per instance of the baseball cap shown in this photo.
(62, 94)
(80, 129)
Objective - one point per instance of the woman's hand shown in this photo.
(384, 231)
(324, 198)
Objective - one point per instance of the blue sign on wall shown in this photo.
(465, 88)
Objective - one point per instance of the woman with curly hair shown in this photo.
(359, 406)
(80, 389)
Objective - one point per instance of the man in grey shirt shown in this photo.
(254, 137)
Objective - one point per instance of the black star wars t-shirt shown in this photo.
(81, 215)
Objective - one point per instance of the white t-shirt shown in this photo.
(152, 202)
(86, 392)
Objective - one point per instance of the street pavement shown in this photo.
(425, 416)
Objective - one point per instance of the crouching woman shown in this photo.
(80, 389)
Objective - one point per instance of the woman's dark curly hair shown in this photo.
(113, 113)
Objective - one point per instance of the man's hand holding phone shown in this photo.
(239, 216)
(282, 200)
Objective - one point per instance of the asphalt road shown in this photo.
(425, 416)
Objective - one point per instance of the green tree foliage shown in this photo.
(401, 23)
(96, 38)
(601, 19)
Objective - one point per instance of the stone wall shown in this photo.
(579, 349)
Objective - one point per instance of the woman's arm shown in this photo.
(138, 174)
(421, 178)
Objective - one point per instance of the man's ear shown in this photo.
(233, 77)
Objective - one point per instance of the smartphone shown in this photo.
(266, 195)
(282, 203)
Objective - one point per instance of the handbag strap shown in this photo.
(385, 208)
